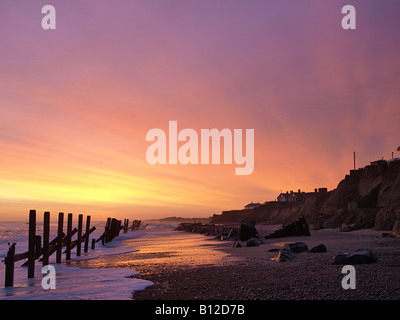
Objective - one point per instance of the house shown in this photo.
(252, 205)
(288, 197)
(378, 163)
(300, 195)
(393, 160)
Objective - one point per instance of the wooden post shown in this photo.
(46, 238)
(117, 228)
(31, 243)
(59, 234)
(87, 234)
(9, 262)
(107, 231)
(69, 232)
(79, 241)
(38, 246)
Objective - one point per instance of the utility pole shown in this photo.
(354, 154)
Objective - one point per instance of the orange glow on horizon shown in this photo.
(76, 103)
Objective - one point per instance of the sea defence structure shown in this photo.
(41, 249)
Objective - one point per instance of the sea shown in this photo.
(107, 272)
(71, 283)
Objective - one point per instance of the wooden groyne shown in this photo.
(244, 232)
(41, 247)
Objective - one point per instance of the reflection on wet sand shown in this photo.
(159, 249)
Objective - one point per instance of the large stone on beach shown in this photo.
(247, 231)
(284, 255)
(361, 256)
(296, 247)
(297, 228)
(253, 242)
(319, 248)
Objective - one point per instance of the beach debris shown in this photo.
(136, 224)
(247, 231)
(225, 233)
(388, 235)
(348, 228)
(236, 244)
(253, 242)
(365, 220)
(360, 256)
(220, 232)
(198, 227)
(284, 255)
(289, 251)
(319, 248)
(396, 226)
(234, 233)
(296, 247)
(298, 228)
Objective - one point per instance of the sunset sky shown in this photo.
(77, 102)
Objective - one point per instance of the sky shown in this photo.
(77, 102)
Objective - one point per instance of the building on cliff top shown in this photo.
(300, 195)
(252, 205)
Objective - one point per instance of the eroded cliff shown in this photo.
(366, 198)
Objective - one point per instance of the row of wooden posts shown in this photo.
(36, 250)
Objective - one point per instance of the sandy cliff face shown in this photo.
(361, 186)
(369, 197)
(389, 198)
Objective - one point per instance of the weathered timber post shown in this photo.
(111, 230)
(69, 235)
(106, 232)
(38, 246)
(79, 241)
(46, 238)
(87, 234)
(126, 226)
(9, 262)
(115, 228)
(60, 236)
(118, 229)
(31, 243)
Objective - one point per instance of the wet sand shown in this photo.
(185, 266)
